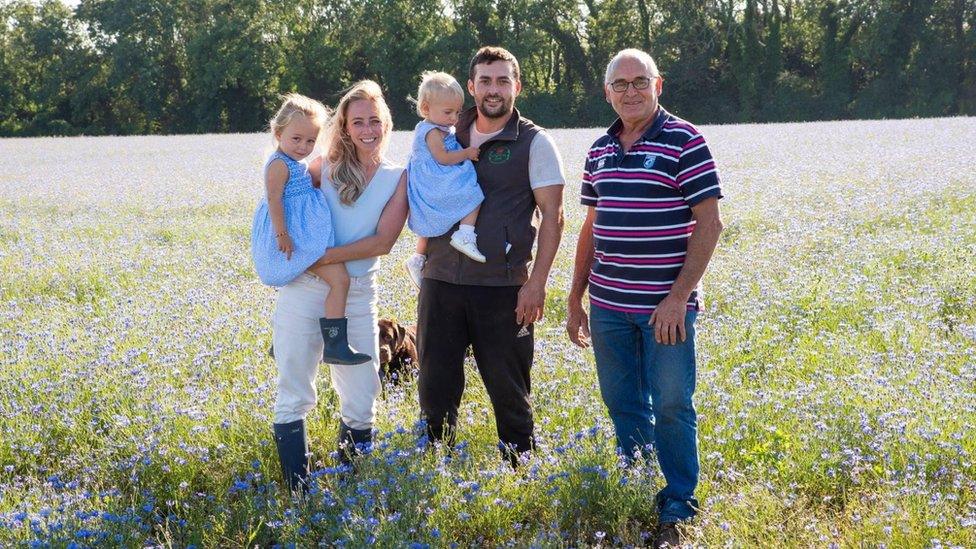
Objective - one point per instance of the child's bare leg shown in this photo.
(471, 218)
(336, 276)
(422, 245)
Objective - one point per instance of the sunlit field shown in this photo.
(836, 383)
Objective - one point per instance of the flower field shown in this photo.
(836, 383)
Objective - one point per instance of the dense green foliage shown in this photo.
(187, 66)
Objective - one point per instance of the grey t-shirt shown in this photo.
(545, 162)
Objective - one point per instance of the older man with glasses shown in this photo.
(651, 192)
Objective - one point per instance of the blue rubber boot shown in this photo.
(337, 350)
(292, 442)
(352, 442)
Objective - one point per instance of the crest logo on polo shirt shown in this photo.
(649, 161)
(499, 154)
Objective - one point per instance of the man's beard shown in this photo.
(504, 109)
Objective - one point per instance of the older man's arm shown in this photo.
(668, 318)
(577, 324)
(387, 231)
(532, 296)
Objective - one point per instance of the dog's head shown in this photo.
(392, 336)
(398, 351)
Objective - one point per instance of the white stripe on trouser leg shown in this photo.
(359, 385)
(298, 350)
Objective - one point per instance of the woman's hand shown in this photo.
(285, 244)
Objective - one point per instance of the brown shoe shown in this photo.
(667, 536)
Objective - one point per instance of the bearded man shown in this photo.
(492, 306)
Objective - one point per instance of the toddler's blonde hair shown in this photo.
(294, 104)
(436, 84)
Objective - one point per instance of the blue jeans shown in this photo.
(648, 387)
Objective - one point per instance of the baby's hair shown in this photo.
(435, 83)
(294, 104)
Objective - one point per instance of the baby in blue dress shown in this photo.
(292, 227)
(442, 186)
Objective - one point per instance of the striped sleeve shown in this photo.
(587, 192)
(697, 177)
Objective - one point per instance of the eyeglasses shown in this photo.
(639, 83)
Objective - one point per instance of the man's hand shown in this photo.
(285, 245)
(531, 302)
(668, 320)
(578, 324)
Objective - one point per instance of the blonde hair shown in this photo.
(295, 104)
(345, 167)
(436, 84)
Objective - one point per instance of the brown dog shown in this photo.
(398, 350)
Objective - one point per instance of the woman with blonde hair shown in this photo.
(367, 197)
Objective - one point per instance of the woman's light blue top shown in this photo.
(439, 194)
(359, 220)
(307, 220)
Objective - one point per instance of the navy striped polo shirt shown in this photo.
(643, 203)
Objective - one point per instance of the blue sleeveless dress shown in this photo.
(439, 195)
(309, 223)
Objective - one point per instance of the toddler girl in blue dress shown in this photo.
(442, 187)
(292, 226)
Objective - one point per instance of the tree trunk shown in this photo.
(573, 53)
(645, 25)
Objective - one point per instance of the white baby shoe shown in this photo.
(415, 268)
(467, 244)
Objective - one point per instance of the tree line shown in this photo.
(188, 66)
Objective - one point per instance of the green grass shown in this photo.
(837, 368)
